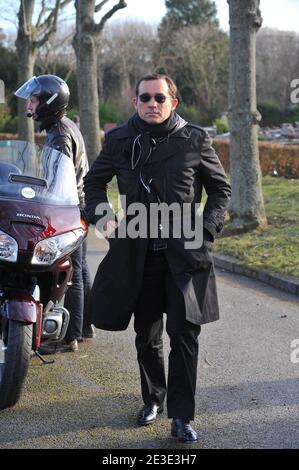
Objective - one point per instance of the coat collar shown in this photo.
(169, 147)
(165, 149)
(124, 131)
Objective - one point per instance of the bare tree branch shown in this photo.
(100, 5)
(54, 12)
(52, 27)
(51, 23)
(41, 14)
(68, 75)
(64, 3)
(101, 24)
(49, 20)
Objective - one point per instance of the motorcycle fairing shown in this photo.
(19, 306)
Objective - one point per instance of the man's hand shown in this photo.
(204, 252)
(108, 228)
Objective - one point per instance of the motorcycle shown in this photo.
(40, 227)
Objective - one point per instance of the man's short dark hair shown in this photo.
(158, 76)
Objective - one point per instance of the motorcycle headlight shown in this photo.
(49, 250)
(8, 247)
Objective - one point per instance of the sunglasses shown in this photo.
(159, 97)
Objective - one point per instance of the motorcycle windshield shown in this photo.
(37, 173)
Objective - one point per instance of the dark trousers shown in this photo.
(160, 294)
(76, 297)
(87, 320)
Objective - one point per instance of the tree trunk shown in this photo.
(25, 72)
(84, 43)
(247, 205)
(27, 46)
(125, 91)
(26, 59)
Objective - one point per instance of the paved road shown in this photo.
(247, 396)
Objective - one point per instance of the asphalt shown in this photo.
(247, 395)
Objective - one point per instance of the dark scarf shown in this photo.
(165, 129)
(149, 135)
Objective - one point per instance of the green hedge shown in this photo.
(284, 158)
(39, 138)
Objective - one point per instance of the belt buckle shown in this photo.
(160, 246)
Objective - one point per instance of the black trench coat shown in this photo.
(179, 168)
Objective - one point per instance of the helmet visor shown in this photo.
(31, 87)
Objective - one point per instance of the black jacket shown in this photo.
(178, 168)
(65, 136)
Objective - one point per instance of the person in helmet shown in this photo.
(48, 98)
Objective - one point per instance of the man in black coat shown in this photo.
(48, 97)
(160, 161)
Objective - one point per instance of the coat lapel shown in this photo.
(169, 147)
(165, 149)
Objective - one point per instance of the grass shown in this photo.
(274, 248)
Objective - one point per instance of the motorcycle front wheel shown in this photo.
(15, 351)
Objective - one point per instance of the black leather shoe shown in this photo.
(89, 331)
(181, 429)
(148, 414)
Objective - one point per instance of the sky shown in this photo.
(280, 14)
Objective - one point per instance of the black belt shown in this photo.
(157, 244)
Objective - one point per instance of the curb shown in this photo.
(279, 281)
